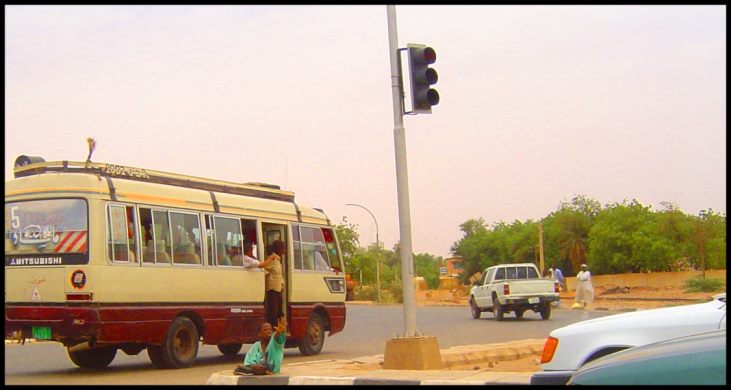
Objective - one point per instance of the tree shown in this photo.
(566, 232)
(616, 232)
(348, 240)
(427, 266)
(712, 229)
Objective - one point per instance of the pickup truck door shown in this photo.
(496, 283)
(482, 292)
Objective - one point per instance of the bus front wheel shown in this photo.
(93, 358)
(180, 346)
(314, 338)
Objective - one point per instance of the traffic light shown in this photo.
(423, 96)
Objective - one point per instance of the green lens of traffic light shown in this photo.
(432, 96)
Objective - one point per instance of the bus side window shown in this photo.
(148, 252)
(248, 229)
(132, 233)
(332, 249)
(186, 244)
(121, 234)
(314, 251)
(296, 242)
(228, 239)
(161, 236)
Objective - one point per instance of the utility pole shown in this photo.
(699, 235)
(540, 246)
(402, 181)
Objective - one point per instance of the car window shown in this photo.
(489, 275)
(511, 273)
(532, 273)
(522, 273)
(500, 275)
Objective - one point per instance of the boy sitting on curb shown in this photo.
(265, 356)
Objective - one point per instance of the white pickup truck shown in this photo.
(513, 287)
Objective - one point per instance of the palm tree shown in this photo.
(573, 239)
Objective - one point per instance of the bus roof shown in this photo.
(259, 190)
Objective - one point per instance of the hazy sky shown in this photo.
(538, 104)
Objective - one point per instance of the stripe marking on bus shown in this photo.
(71, 241)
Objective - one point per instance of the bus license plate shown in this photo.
(42, 332)
(534, 300)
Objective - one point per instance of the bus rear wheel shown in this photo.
(180, 346)
(314, 338)
(93, 358)
(230, 349)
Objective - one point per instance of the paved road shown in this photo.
(366, 332)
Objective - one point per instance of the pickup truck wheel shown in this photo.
(497, 309)
(519, 313)
(475, 310)
(546, 311)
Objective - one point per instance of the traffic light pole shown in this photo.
(402, 181)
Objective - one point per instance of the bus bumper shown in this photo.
(68, 324)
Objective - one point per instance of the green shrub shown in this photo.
(366, 293)
(699, 284)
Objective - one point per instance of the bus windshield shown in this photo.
(56, 226)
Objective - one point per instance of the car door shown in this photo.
(482, 293)
(499, 278)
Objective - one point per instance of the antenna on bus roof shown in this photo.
(92, 146)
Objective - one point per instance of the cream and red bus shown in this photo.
(103, 257)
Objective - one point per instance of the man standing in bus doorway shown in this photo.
(273, 282)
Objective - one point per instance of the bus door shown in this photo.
(272, 232)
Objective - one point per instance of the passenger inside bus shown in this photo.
(221, 255)
(132, 256)
(185, 249)
(249, 261)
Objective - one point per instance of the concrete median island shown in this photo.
(462, 366)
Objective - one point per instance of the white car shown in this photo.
(570, 347)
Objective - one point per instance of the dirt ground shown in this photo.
(606, 298)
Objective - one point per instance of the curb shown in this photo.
(221, 378)
(475, 354)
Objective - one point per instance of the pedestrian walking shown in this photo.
(558, 276)
(584, 288)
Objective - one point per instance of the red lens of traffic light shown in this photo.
(430, 56)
